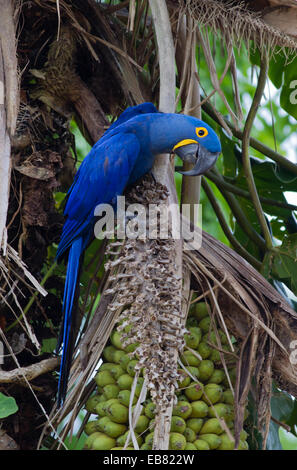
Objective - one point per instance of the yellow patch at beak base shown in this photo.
(184, 142)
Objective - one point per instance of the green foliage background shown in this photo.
(275, 126)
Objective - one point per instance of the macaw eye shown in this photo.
(201, 131)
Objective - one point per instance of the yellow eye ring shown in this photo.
(201, 131)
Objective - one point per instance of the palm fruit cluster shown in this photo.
(203, 397)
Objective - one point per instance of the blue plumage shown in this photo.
(124, 154)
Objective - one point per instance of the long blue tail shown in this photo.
(66, 336)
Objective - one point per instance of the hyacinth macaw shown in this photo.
(124, 154)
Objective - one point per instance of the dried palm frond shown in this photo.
(13, 273)
(237, 23)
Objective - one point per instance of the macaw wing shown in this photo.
(129, 113)
(102, 176)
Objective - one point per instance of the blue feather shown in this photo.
(74, 259)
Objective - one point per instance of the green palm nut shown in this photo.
(131, 367)
(142, 424)
(200, 444)
(192, 338)
(91, 427)
(100, 409)
(232, 377)
(226, 442)
(204, 324)
(131, 347)
(206, 369)
(92, 402)
(213, 440)
(115, 339)
(102, 422)
(103, 378)
(109, 402)
(178, 424)
(189, 434)
(228, 397)
(229, 417)
(193, 371)
(133, 410)
(199, 409)
(223, 337)
(111, 391)
(181, 396)
(124, 397)
(211, 426)
(195, 391)
(114, 429)
(102, 398)
(177, 441)
(215, 356)
(211, 337)
(102, 442)
(243, 435)
(139, 386)
(145, 447)
(219, 410)
(213, 393)
(124, 361)
(201, 310)
(217, 376)
(89, 440)
(150, 409)
(106, 366)
(184, 379)
(117, 412)
(149, 439)
(121, 440)
(116, 371)
(195, 424)
(204, 350)
(190, 359)
(196, 330)
(122, 448)
(108, 353)
(191, 321)
(243, 445)
(182, 409)
(152, 424)
(128, 327)
(117, 356)
(190, 446)
(125, 381)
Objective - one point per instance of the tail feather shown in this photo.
(66, 337)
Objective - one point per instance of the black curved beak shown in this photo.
(201, 158)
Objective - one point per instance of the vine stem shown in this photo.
(245, 151)
(225, 227)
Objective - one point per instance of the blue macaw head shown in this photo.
(200, 147)
(193, 140)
